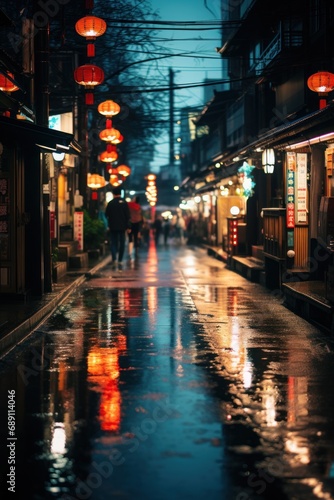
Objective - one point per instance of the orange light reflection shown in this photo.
(103, 370)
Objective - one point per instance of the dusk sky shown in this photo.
(202, 63)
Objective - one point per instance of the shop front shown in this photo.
(295, 247)
(25, 253)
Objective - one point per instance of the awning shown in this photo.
(43, 137)
(306, 127)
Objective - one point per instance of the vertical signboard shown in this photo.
(290, 195)
(52, 224)
(301, 212)
(79, 229)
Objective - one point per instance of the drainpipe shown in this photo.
(41, 98)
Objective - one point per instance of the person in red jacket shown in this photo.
(118, 216)
(136, 217)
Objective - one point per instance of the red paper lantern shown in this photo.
(109, 134)
(7, 85)
(321, 82)
(91, 27)
(124, 170)
(89, 76)
(108, 156)
(108, 108)
(118, 140)
(112, 170)
(95, 181)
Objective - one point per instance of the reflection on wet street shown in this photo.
(173, 379)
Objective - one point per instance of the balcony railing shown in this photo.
(285, 39)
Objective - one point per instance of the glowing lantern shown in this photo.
(113, 180)
(6, 85)
(268, 161)
(321, 82)
(108, 156)
(109, 134)
(118, 139)
(124, 170)
(90, 27)
(112, 170)
(89, 76)
(108, 108)
(95, 181)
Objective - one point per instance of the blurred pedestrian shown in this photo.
(118, 216)
(166, 230)
(180, 226)
(157, 229)
(145, 232)
(136, 217)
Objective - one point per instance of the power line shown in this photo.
(218, 22)
(165, 29)
(178, 87)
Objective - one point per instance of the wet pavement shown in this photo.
(175, 378)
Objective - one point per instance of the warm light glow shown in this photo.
(118, 139)
(321, 82)
(95, 181)
(108, 156)
(88, 75)
(109, 134)
(90, 27)
(133, 302)
(110, 407)
(234, 211)
(124, 170)
(103, 370)
(108, 108)
(116, 182)
(58, 441)
(113, 180)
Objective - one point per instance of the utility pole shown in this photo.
(171, 117)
